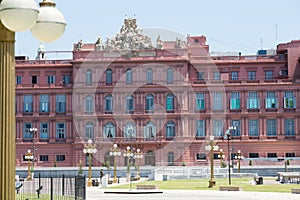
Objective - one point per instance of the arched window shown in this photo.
(170, 158)
(108, 103)
(89, 130)
(170, 130)
(89, 104)
(149, 131)
(129, 76)
(129, 131)
(109, 78)
(129, 104)
(149, 76)
(109, 130)
(170, 102)
(149, 102)
(150, 158)
(169, 75)
(89, 78)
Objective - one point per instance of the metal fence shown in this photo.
(52, 188)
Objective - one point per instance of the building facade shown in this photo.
(165, 98)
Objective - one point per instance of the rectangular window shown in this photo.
(44, 130)
(27, 103)
(235, 101)
(51, 79)
(218, 127)
(253, 155)
(44, 103)
(66, 79)
(200, 128)
(272, 155)
(200, 101)
(290, 155)
(289, 127)
(18, 80)
(253, 101)
(218, 101)
(216, 75)
(289, 100)
(44, 158)
(34, 79)
(201, 156)
(237, 125)
(269, 75)
(253, 127)
(271, 127)
(200, 76)
(61, 103)
(60, 158)
(271, 100)
(60, 130)
(251, 75)
(234, 76)
(26, 130)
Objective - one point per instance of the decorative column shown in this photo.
(7, 114)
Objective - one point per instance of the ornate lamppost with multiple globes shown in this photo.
(138, 155)
(239, 157)
(47, 24)
(33, 132)
(29, 157)
(221, 155)
(90, 149)
(129, 155)
(211, 146)
(115, 152)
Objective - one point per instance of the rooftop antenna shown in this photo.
(261, 43)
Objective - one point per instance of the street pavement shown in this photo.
(97, 193)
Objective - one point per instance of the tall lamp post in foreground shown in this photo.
(33, 132)
(90, 149)
(46, 23)
(29, 156)
(138, 155)
(227, 137)
(211, 147)
(115, 152)
(129, 155)
(239, 157)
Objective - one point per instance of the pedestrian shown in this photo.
(101, 175)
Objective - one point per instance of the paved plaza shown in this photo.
(95, 193)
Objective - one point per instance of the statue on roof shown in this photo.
(159, 44)
(79, 45)
(130, 37)
(180, 44)
(98, 45)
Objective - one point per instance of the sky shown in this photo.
(230, 26)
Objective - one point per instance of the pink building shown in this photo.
(163, 97)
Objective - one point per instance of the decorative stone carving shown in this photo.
(79, 45)
(159, 44)
(180, 44)
(98, 45)
(129, 38)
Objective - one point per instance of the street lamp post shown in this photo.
(115, 152)
(227, 136)
(211, 147)
(90, 149)
(33, 132)
(138, 155)
(47, 24)
(221, 155)
(239, 157)
(129, 155)
(29, 156)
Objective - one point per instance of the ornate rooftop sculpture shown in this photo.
(130, 38)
